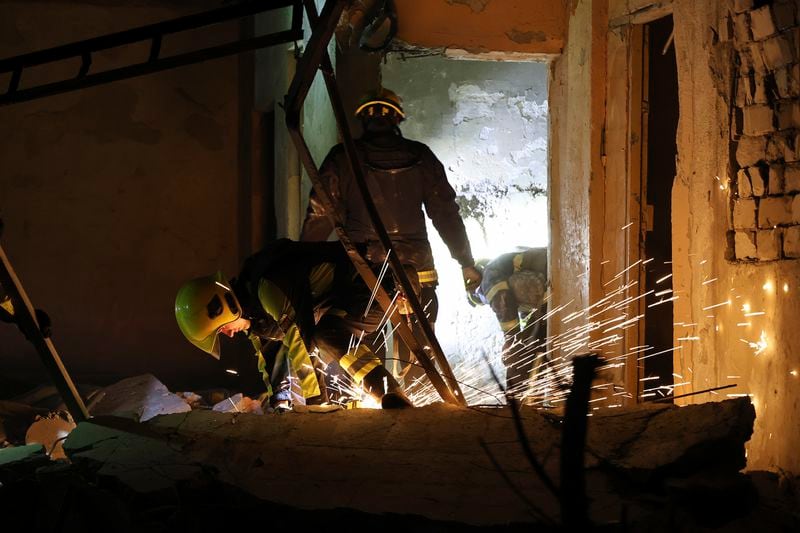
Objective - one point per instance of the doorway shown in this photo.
(487, 122)
(659, 151)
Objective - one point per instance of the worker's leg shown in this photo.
(413, 374)
(337, 337)
(505, 307)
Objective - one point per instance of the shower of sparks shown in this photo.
(760, 345)
(382, 273)
(600, 327)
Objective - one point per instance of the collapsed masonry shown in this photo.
(440, 466)
(764, 48)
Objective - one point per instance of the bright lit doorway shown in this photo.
(487, 121)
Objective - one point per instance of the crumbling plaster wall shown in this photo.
(718, 343)
(705, 152)
(113, 196)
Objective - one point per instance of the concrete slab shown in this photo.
(428, 461)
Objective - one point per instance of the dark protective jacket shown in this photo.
(496, 290)
(403, 176)
(283, 290)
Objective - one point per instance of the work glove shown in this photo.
(472, 278)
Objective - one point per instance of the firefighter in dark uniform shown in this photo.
(304, 295)
(514, 285)
(403, 176)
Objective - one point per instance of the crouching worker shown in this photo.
(514, 285)
(305, 295)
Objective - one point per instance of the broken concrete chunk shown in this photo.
(788, 114)
(796, 209)
(758, 180)
(139, 398)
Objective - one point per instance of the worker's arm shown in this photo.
(317, 226)
(441, 207)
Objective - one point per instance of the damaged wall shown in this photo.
(112, 196)
(763, 296)
(732, 221)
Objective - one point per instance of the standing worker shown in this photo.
(304, 295)
(514, 284)
(403, 176)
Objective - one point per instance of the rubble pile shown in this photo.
(439, 467)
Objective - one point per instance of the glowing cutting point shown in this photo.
(793, 372)
(768, 286)
(746, 307)
(785, 287)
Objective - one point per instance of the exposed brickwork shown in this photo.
(791, 242)
(769, 244)
(765, 128)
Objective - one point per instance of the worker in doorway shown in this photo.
(304, 295)
(403, 176)
(514, 285)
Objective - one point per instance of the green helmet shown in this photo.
(204, 305)
(382, 102)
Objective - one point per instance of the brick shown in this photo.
(787, 82)
(768, 243)
(774, 211)
(760, 95)
(740, 6)
(791, 242)
(791, 178)
(758, 120)
(744, 214)
(762, 24)
(778, 51)
(776, 179)
(781, 147)
(725, 29)
(745, 245)
(743, 188)
(788, 114)
(758, 180)
(742, 91)
(752, 58)
(741, 28)
(783, 14)
(751, 150)
(796, 209)
(795, 149)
